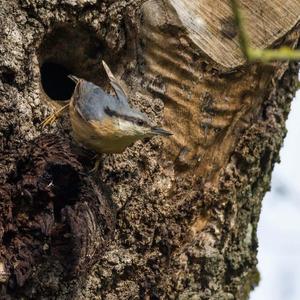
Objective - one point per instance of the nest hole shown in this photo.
(70, 50)
(55, 81)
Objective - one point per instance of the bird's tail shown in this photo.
(73, 78)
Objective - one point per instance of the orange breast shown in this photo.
(101, 137)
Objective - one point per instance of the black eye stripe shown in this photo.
(110, 112)
(134, 120)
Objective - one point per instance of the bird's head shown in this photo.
(134, 124)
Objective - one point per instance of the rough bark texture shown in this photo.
(167, 219)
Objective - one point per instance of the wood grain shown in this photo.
(210, 27)
(205, 107)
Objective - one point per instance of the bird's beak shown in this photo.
(160, 131)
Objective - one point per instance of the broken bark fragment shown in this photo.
(51, 210)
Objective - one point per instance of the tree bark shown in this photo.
(167, 219)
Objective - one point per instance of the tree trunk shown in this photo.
(167, 219)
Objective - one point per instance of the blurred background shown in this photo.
(279, 225)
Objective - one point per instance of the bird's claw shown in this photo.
(49, 121)
(52, 118)
(96, 166)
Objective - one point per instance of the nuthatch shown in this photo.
(105, 123)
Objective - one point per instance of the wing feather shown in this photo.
(115, 84)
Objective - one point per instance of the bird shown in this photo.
(106, 123)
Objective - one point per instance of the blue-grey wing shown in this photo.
(91, 101)
(120, 93)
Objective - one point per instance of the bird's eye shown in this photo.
(140, 122)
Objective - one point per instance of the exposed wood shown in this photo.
(219, 106)
(210, 25)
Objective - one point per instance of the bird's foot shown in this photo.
(52, 118)
(96, 166)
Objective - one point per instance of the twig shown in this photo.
(264, 55)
